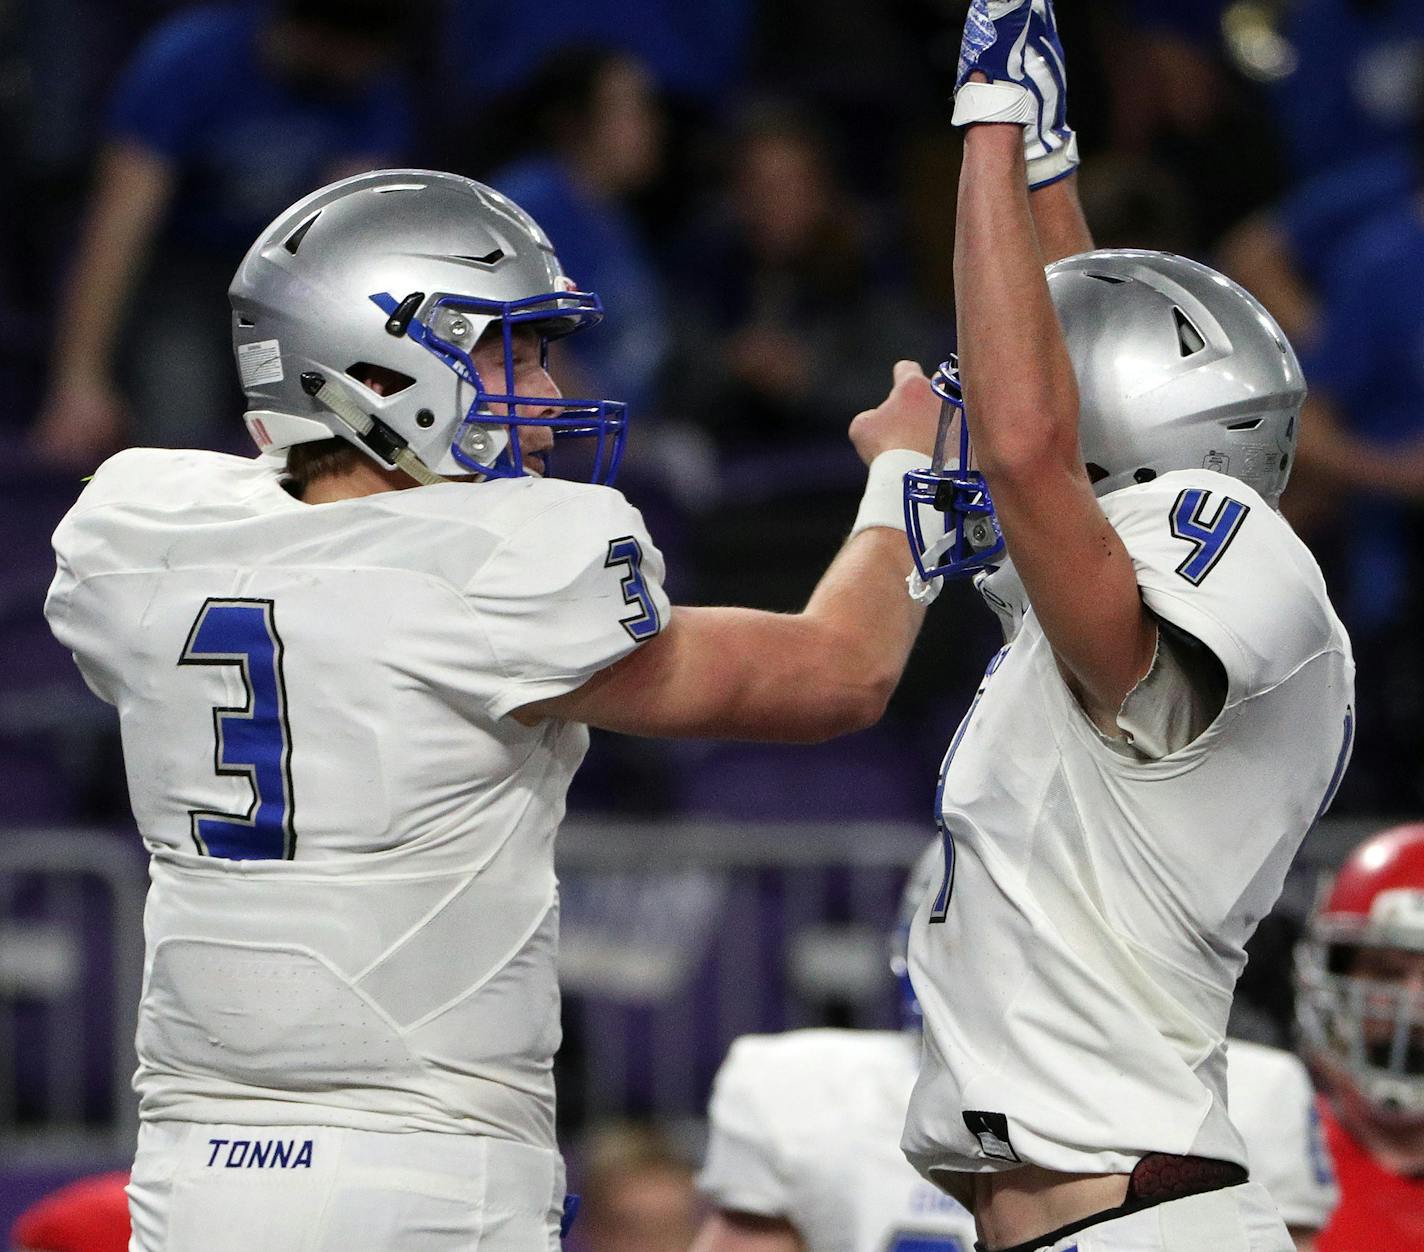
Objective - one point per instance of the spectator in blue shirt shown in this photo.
(1363, 428)
(597, 132)
(1356, 76)
(692, 50)
(1342, 264)
(226, 115)
(1362, 452)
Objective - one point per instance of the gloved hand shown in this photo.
(1015, 44)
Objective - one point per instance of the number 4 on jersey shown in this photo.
(253, 739)
(1209, 537)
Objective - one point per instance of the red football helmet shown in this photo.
(1360, 977)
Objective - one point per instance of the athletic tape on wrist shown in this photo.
(994, 102)
(883, 503)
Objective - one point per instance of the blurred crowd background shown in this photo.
(762, 191)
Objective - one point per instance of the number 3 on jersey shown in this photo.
(628, 552)
(252, 740)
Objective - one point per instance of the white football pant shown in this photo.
(223, 1188)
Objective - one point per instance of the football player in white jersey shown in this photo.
(352, 691)
(803, 1152)
(1124, 796)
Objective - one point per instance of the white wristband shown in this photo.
(883, 503)
(994, 102)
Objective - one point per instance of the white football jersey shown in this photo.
(1273, 1106)
(353, 912)
(806, 1126)
(1077, 962)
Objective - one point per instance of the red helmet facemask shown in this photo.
(1360, 979)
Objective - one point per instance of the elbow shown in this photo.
(1018, 435)
(854, 707)
(1029, 457)
(873, 699)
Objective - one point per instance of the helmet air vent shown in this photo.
(1108, 278)
(489, 258)
(1249, 424)
(1096, 473)
(380, 379)
(294, 240)
(1189, 338)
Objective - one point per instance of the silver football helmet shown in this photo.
(1177, 366)
(404, 271)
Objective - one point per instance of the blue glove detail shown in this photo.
(993, 40)
(1051, 147)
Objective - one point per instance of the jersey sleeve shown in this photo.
(569, 591)
(1216, 561)
(745, 1170)
(82, 548)
(1274, 1108)
(73, 633)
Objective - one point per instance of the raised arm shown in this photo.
(1021, 397)
(734, 673)
(1058, 220)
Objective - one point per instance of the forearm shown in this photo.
(1058, 220)
(866, 611)
(731, 673)
(826, 671)
(1257, 254)
(1327, 449)
(131, 192)
(1020, 392)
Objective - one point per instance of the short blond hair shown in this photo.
(306, 462)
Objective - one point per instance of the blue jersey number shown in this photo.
(1209, 538)
(628, 552)
(252, 740)
(909, 1242)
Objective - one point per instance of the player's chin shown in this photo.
(534, 464)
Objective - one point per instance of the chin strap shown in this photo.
(375, 435)
(926, 590)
